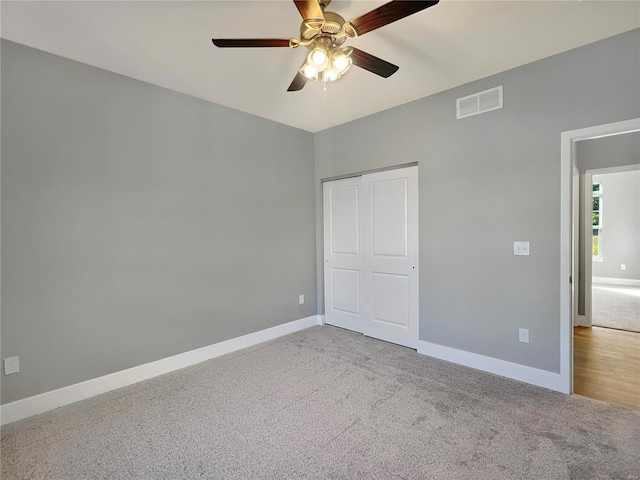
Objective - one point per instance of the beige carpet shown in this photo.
(616, 306)
(326, 403)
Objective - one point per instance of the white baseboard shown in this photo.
(581, 321)
(522, 373)
(629, 282)
(27, 407)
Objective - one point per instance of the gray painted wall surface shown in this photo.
(139, 223)
(487, 181)
(620, 233)
(614, 151)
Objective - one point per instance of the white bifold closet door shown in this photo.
(371, 254)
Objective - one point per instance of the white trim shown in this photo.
(575, 230)
(581, 321)
(606, 130)
(587, 233)
(567, 152)
(534, 376)
(567, 163)
(629, 282)
(27, 407)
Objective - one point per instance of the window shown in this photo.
(596, 214)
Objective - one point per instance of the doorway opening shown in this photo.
(615, 276)
(602, 362)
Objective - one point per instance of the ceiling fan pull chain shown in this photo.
(325, 89)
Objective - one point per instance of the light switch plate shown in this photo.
(300, 299)
(521, 248)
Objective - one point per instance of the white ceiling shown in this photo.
(168, 43)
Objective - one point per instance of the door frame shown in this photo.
(568, 268)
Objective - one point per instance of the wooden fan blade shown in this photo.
(298, 83)
(250, 42)
(373, 64)
(388, 13)
(309, 9)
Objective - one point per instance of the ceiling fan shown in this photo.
(324, 33)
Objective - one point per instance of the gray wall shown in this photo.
(139, 223)
(606, 152)
(487, 181)
(620, 234)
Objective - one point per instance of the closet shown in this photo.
(371, 254)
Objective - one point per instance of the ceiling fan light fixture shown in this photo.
(318, 58)
(326, 64)
(324, 32)
(309, 72)
(340, 61)
(330, 75)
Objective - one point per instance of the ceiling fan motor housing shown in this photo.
(331, 26)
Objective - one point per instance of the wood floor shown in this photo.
(607, 365)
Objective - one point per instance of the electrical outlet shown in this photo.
(300, 299)
(521, 248)
(623, 266)
(11, 365)
(523, 335)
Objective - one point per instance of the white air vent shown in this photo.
(479, 102)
